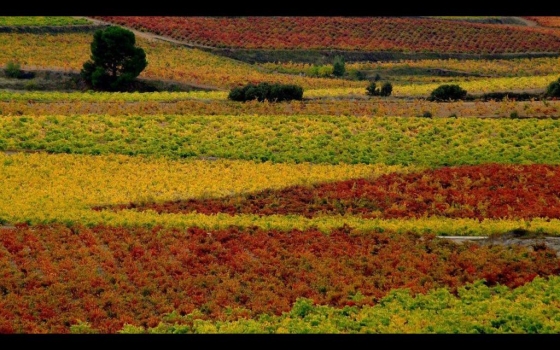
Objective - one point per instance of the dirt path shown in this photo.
(151, 36)
(527, 22)
(513, 238)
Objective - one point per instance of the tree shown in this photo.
(338, 66)
(115, 60)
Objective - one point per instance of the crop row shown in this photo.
(347, 33)
(413, 87)
(417, 87)
(54, 104)
(41, 21)
(496, 67)
(484, 191)
(473, 86)
(62, 188)
(55, 276)
(317, 139)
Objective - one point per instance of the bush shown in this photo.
(319, 71)
(266, 91)
(13, 70)
(372, 90)
(514, 115)
(426, 114)
(448, 93)
(30, 85)
(553, 90)
(386, 89)
(338, 66)
(357, 75)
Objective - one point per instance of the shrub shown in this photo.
(514, 115)
(448, 93)
(372, 90)
(13, 70)
(386, 89)
(426, 114)
(266, 91)
(319, 71)
(357, 74)
(30, 85)
(324, 71)
(553, 89)
(338, 66)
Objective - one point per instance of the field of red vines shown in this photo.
(489, 191)
(347, 33)
(53, 275)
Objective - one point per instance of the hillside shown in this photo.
(167, 207)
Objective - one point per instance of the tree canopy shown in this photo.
(115, 60)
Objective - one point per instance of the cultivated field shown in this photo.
(182, 211)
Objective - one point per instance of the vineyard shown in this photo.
(347, 33)
(181, 211)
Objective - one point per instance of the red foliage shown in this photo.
(480, 191)
(347, 33)
(116, 280)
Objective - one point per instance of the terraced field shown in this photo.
(182, 211)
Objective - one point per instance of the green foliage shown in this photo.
(474, 309)
(82, 327)
(438, 141)
(386, 89)
(30, 85)
(319, 71)
(302, 307)
(553, 89)
(426, 114)
(13, 70)
(41, 21)
(339, 68)
(448, 92)
(131, 329)
(357, 74)
(115, 61)
(373, 90)
(266, 91)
